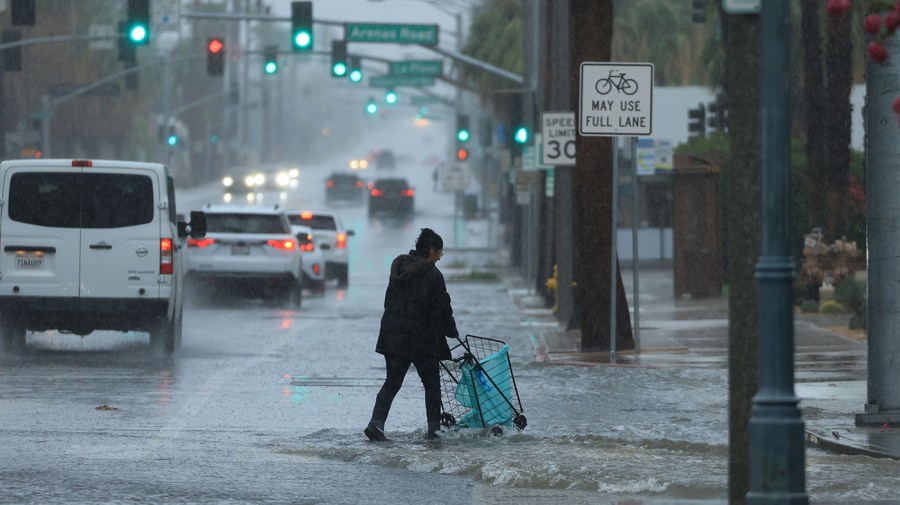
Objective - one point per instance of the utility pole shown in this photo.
(882, 165)
(777, 465)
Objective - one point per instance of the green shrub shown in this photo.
(809, 307)
(831, 307)
(851, 293)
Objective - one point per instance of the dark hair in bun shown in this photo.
(428, 239)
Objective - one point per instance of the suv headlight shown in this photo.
(228, 181)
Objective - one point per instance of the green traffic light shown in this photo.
(521, 135)
(138, 34)
(390, 97)
(339, 69)
(271, 67)
(371, 108)
(356, 76)
(303, 39)
(172, 140)
(462, 135)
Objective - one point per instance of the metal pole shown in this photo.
(46, 114)
(635, 257)
(777, 466)
(612, 256)
(882, 164)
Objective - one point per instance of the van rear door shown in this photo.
(120, 235)
(41, 236)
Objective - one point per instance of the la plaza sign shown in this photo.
(616, 99)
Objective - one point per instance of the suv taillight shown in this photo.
(166, 256)
(201, 242)
(341, 240)
(282, 244)
(409, 192)
(377, 192)
(329, 184)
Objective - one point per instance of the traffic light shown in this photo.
(270, 60)
(521, 135)
(172, 139)
(22, 12)
(215, 56)
(462, 154)
(301, 26)
(12, 57)
(718, 112)
(339, 58)
(698, 13)
(697, 123)
(390, 97)
(371, 106)
(356, 74)
(462, 127)
(138, 21)
(127, 51)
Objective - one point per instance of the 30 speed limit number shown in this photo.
(558, 138)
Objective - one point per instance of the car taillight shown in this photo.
(377, 192)
(341, 240)
(306, 215)
(201, 242)
(329, 184)
(316, 268)
(359, 184)
(82, 163)
(308, 247)
(409, 192)
(282, 244)
(166, 256)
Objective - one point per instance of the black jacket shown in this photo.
(417, 313)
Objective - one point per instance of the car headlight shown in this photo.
(249, 181)
(282, 179)
(294, 173)
(228, 181)
(260, 179)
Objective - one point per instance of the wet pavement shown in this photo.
(830, 360)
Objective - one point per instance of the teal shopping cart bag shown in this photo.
(485, 389)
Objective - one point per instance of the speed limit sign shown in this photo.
(558, 138)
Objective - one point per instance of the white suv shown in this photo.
(249, 250)
(331, 237)
(90, 245)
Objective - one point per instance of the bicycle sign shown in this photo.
(616, 99)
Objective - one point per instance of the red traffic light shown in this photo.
(462, 154)
(215, 46)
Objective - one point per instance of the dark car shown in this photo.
(391, 195)
(383, 159)
(344, 186)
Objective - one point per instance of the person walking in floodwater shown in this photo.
(415, 326)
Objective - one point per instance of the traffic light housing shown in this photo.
(339, 58)
(301, 26)
(127, 51)
(390, 97)
(22, 12)
(138, 21)
(462, 153)
(718, 114)
(697, 121)
(462, 127)
(355, 74)
(172, 138)
(698, 11)
(12, 57)
(215, 56)
(270, 60)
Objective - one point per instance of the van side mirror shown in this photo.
(196, 228)
(350, 233)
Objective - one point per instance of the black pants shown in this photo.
(397, 366)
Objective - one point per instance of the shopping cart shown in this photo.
(478, 387)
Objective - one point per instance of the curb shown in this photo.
(827, 442)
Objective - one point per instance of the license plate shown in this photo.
(240, 250)
(29, 262)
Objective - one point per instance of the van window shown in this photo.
(246, 223)
(71, 200)
(316, 221)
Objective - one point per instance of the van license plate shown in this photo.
(240, 250)
(29, 262)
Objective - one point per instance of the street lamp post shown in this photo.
(777, 466)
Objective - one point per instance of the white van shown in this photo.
(90, 245)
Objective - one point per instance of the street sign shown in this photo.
(531, 158)
(616, 99)
(425, 99)
(99, 30)
(454, 176)
(165, 15)
(426, 35)
(389, 81)
(558, 138)
(741, 6)
(418, 68)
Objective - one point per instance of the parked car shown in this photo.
(247, 250)
(344, 186)
(91, 245)
(391, 195)
(313, 259)
(331, 238)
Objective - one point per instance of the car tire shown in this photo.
(164, 334)
(13, 334)
(343, 277)
(293, 295)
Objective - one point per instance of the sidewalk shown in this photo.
(830, 360)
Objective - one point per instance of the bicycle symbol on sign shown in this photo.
(617, 81)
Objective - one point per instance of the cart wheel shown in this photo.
(448, 420)
(497, 430)
(520, 422)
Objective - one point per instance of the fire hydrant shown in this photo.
(551, 285)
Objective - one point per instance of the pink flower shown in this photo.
(892, 20)
(872, 24)
(837, 8)
(877, 52)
